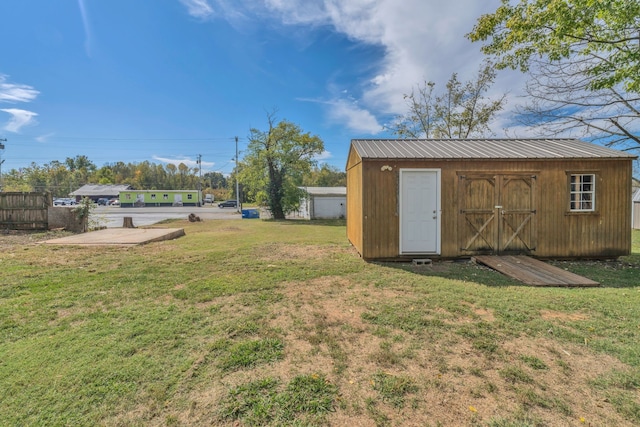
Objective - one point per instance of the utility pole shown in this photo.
(237, 185)
(1, 160)
(199, 162)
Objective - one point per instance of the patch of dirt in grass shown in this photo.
(483, 313)
(13, 239)
(323, 329)
(280, 251)
(560, 315)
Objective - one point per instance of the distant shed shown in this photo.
(97, 191)
(550, 198)
(324, 203)
(635, 219)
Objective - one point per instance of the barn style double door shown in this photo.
(497, 213)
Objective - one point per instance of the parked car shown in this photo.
(228, 204)
(114, 202)
(102, 201)
(64, 202)
(208, 198)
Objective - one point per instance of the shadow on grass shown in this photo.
(463, 270)
(620, 273)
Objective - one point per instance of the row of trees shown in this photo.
(60, 178)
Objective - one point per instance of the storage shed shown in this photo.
(97, 191)
(549, 198)
(635, 210)
(324, 203)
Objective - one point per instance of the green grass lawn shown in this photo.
(251, 322)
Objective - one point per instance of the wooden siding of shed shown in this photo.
(354, 201)
(559, 233)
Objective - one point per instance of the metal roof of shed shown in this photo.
(100, 190)
(512, 149)
(326, 191)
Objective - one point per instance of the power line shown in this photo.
(96, 138)
(1, 160)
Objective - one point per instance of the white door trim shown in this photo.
(437, 208)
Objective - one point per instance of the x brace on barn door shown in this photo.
(479, 231)
(497, 213)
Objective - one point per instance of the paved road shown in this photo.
(112, 216)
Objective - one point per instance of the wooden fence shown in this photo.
(24, 211)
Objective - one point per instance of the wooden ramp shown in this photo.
(532, 271)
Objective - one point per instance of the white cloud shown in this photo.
(87, 28)
(198, 8)
(421, 40)
(325, 155)
(44, 138)
(355, 118)
(19, 119)
(11, 92)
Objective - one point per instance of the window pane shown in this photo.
(582, 192)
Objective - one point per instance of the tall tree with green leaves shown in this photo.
(584, 60)
(325, 176)
(214, 180)
(275, 163)
(462, 111)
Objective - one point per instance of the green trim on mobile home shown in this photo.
(142, 198)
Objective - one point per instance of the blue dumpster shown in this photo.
(250, 213)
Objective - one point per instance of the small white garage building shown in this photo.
(324, 203)
(635, 210)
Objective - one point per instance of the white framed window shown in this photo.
(582, 189)
(189, 196)
(153, 196)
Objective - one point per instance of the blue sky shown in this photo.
(167, 80)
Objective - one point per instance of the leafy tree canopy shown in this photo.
(275, 163)
(325, 176)
(605, 32)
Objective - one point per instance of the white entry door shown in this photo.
(420, 211)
